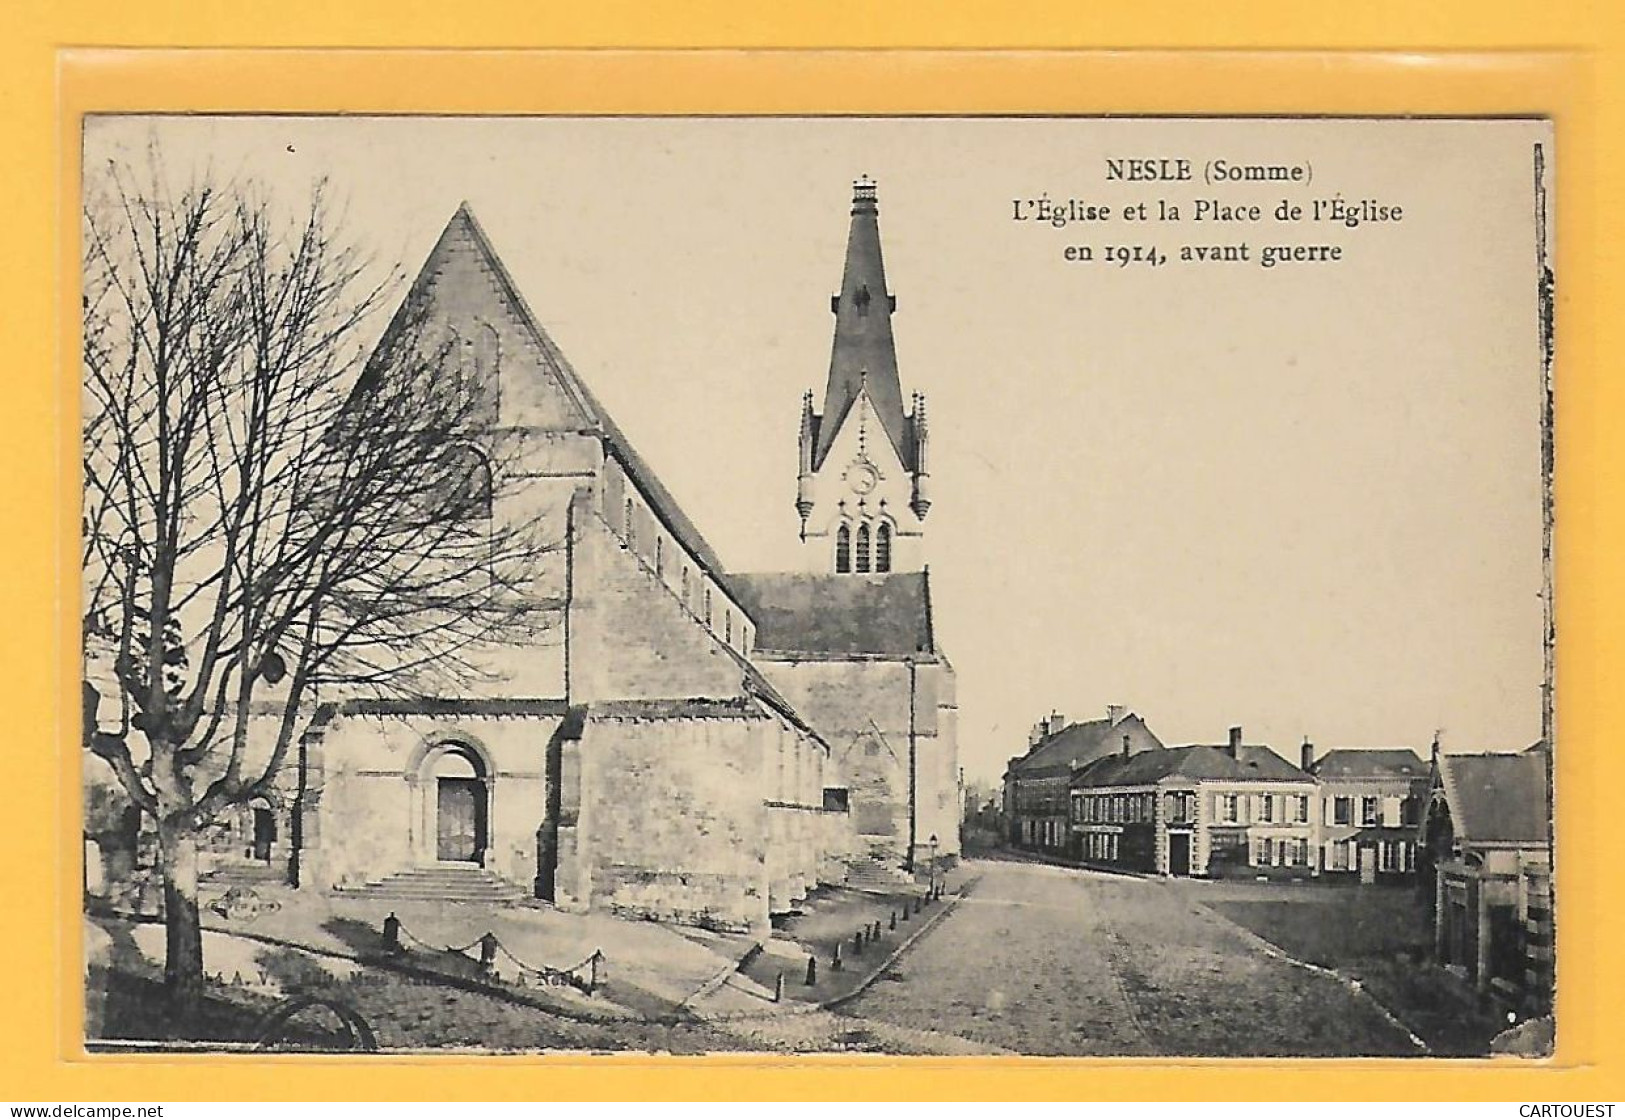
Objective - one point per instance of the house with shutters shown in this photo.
(1371, 802)
(1037, 785)
(1197, 810)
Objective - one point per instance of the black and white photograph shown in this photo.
(1060, 586)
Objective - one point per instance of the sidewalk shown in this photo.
(830, 917)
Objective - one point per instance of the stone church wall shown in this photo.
(630, 638)
(673, 825)
(377, 802)
(862, 707)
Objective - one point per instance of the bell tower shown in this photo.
(863, 489)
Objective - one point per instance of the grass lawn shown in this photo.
(404, 1012)
(1381, 936)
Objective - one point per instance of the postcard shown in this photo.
(1036, 585)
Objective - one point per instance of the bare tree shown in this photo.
(272, 512)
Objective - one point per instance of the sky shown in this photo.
(1304, 499)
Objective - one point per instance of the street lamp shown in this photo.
(933, 890)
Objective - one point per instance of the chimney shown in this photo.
(1308, 755)
(1235, 742)
(1125, 746)
(1115, 713)
(1036, 735)
(1056, 721)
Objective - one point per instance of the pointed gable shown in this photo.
(464, 298)
(464, 291)
(864, 356)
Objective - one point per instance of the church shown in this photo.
(689, 743)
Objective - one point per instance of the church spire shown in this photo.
(863, 485)
(864, 356)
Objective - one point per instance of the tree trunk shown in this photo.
(183, 941)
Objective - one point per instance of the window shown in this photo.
(1266, 808)
(728, 627)
(1408, 811)
(863, 548)
(631, 527)
(883, 548)
(1182, 807)
(1301, 811)
(843, 549)
(708, 606)
(660, 556)
(1370, 811)
(1229, 808)
(467, 482)
(1342, 810)
(687, 603)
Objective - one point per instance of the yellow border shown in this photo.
(40, 459)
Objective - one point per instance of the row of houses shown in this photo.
(1470, 831)
(1108, 792)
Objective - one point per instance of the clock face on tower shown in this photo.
(862, 477)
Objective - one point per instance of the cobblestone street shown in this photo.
(1051, 960)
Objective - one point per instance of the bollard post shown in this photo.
(877, 929)
(488, 953)
(778, 987)
(894, 919)
(905, 910)
(916, 904)
(392, 933)
(857, 944)
(835, 962)
(812, 970)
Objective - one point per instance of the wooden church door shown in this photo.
(461, 819)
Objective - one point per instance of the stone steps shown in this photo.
(877, 875)
(442, 884)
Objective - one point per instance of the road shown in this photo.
(1049, 960)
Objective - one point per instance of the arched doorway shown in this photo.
(458, 787)
(262, 830)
